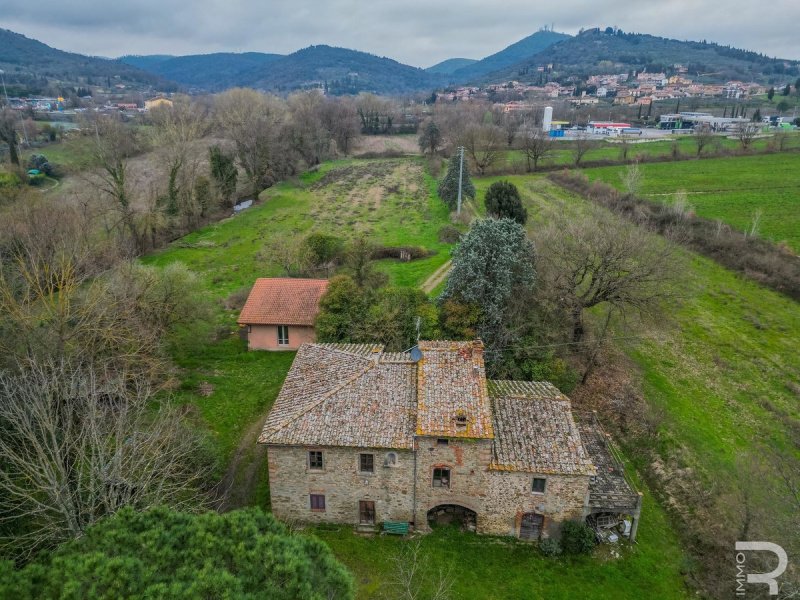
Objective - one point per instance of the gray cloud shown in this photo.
(417, 32)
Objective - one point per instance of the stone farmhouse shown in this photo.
(279, 313)
(362, 436)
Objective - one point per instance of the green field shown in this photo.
(342, 198)
(611, 150)
(730, 189)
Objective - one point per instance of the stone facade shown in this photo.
(342, 483)
(442, 442)
(499, 498)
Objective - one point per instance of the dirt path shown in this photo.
(238, 487)
(436, 278)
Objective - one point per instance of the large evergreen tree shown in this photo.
(494, 261)
(503, 202)
(244, 554)
(448, 187)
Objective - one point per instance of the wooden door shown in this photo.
(366, 512)
(531, 527)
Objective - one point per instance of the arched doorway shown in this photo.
(531, 526)
(453, 514)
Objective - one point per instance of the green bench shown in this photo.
(395, 527)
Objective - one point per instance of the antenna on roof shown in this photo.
(416, 354)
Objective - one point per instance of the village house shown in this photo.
(279, 313)
(367, 437)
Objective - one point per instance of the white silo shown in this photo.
(547, 119)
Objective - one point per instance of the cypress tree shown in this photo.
(448, 187)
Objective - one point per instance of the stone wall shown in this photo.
(342, 484)
(468, 460)
(500, 498)
(509, 495)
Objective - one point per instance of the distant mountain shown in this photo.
(204, 71)
(608, 51)
(446, 67)
(146, 62)
(31, 67)
(341, 71)
(533, 44)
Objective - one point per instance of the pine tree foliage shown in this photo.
(160, 553)
(448, 187)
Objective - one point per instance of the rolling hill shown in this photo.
(205, 71)
(446, 67)
(524, 48)
(31, 67)
(608, 51)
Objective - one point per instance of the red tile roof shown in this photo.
(283, 301)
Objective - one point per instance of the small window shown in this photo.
(441, 477)
(315, 460)
(366, 463)
(249, 329)
(442, 442)
(318, 502)
(538, 485)
(283, 335)
(390, 460)
(461, 422)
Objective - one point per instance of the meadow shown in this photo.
(392, 201)
(734, 190)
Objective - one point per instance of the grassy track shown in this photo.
(730, 189)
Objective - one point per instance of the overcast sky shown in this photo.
(416, 32)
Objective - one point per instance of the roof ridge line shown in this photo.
(325, 396)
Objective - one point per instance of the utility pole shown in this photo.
(460, 177)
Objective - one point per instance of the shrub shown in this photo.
(503, 202)
(577, 538)
(550, 547)
(9, 180)
(323, 248)
(449, 235)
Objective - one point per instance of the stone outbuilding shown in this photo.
(362, 436)
(279, 313)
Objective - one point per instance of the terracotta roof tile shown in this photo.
(452, 399)
(535, 431)
(283, 301)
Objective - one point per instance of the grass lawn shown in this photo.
(722, 373)
(393, 202)
(730, 189)
(489, 568)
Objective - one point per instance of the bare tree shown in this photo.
(535, 144)
(580, 145)
(177, 126)
(702, 137)
(254, 123)
(308, 136)
(632, 178)
(746, 132)
(412, 579)
(340, 118)
(114, 144)
(9, 134)
(79, 444)
(484, 144)
(596, 260)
